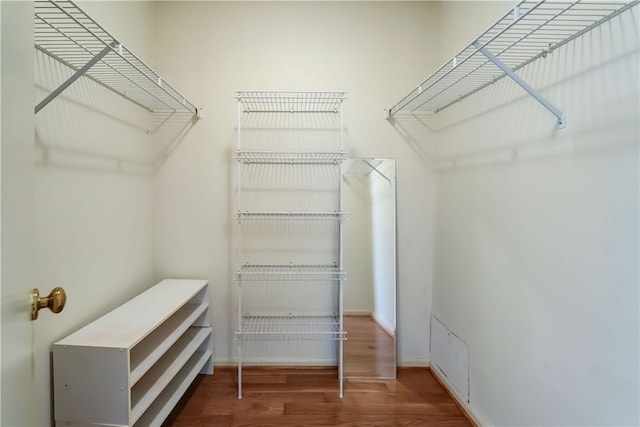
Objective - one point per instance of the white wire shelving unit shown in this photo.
(67, 34)
(531, 30)
(290, 325)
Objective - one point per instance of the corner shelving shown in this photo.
(290, 256)
(66, 33)
(531, 30)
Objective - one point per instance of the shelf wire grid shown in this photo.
(290, 327)
(531, 30)
(338, 215)
(289, 272)
(66, 33)
(293, 158)
(290, 102)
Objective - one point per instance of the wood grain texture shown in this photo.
(299, 397)
(369, 351)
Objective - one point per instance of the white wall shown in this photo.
(372, 50)
(537, 232)
(92, 192)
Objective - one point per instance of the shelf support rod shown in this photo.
(562, 122)
(75, 76)
(376, 170)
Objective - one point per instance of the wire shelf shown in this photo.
(289, 273)
(286, 158)
(66, 33)
(338, 215)
(290, 102)
(290, 328)
(533, 29)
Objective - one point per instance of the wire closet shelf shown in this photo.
(531, 30)
(338, 215)
(289, 272)
(291, 102)
(289, 158)
(66, 33)
(291, 327)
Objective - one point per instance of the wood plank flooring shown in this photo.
(368, 351)
(300, 397)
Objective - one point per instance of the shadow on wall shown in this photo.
(89, 127)
(511, 126)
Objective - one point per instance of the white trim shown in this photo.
(472, 413)
(387, 330)
(357, 313)
(413, 363)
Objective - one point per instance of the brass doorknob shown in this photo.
(55, 301)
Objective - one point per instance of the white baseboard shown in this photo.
(413, 363)
(357, 313)
(467, 408)
(387, 330)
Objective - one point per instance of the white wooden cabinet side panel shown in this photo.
(131, 322)
(91, 385)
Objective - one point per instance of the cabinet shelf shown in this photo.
(276, 158)
(149, 350)
(290, 102)
(290, 327)
(66, 33)
(144, 393)
(289, 272)
(170, 396)
(252, 216)
(531, 30)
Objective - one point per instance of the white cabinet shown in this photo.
(131, 366)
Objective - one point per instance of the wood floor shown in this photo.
(300, 397)
(368, 351)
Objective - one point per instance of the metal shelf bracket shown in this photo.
(562, 122)
(76, 76)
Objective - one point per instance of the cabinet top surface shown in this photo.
(129, 323)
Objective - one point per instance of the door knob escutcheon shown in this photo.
(55, 301)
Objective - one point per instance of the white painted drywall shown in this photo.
(372, 50)
(537, 232)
